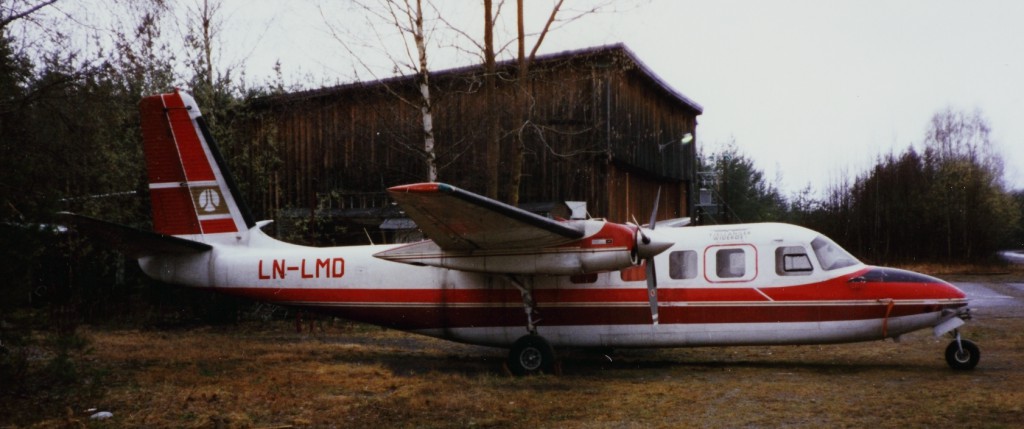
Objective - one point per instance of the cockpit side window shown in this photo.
(830, 255)
(792, 261)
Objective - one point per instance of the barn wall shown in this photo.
(642, 118)
(631, 196)
(594, 126)
(565, 147)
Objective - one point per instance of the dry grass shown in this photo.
(357, 376)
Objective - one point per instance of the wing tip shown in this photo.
(422, 188)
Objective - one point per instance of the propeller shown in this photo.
(646, 249)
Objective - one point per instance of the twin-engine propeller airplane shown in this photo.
(495, 275)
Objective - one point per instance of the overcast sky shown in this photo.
(810, 90)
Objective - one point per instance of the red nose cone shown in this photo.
(944, 289)
(913, 285)
(953, 291)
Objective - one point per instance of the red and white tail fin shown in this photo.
(191, 191)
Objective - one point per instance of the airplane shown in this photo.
(495, 275)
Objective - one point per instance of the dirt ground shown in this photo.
(346, 375)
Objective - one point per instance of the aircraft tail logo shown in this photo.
(191, 190)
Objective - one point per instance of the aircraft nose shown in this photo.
(953, 291)
(935, 288)
(943, 288)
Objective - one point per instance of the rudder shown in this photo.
(191, 191)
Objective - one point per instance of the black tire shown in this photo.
(962, 361)
(530, 355)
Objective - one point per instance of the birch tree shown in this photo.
(406, 18)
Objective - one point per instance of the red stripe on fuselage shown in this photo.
(841, 288)
(838, 289)
(437, 308)
(437, 317)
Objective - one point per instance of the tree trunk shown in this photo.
(519, 104)
(426, 105)
(492, 137)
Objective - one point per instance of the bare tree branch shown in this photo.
(359, 58)
(544, 32)
(19, 15)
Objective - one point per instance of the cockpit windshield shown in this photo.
(830, 255)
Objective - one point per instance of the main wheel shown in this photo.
(965, 359)
(531, 354)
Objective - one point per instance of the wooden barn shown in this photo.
(601, 128)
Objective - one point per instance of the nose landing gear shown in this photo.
(962, 354)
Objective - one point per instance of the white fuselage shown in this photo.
(732, 285)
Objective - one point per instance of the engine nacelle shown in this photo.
(550, 261)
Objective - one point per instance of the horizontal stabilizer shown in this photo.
(460, 220)
(133, 242)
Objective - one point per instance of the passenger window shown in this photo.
(682, 264)
(792, 261)
(730, 263)
(583, 278)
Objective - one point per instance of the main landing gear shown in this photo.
(530, 355)
(962, 354)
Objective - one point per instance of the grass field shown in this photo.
(354, 376)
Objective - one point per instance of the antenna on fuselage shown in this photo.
(368, 237)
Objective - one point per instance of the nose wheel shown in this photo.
(962, 354)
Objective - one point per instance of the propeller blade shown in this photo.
(647, 246)
(652, 289)
(654, 212)
(640, 231)
(647, 250)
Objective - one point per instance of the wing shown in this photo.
(460, 220)
(133, 242)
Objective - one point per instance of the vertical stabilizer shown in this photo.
(191, 190)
